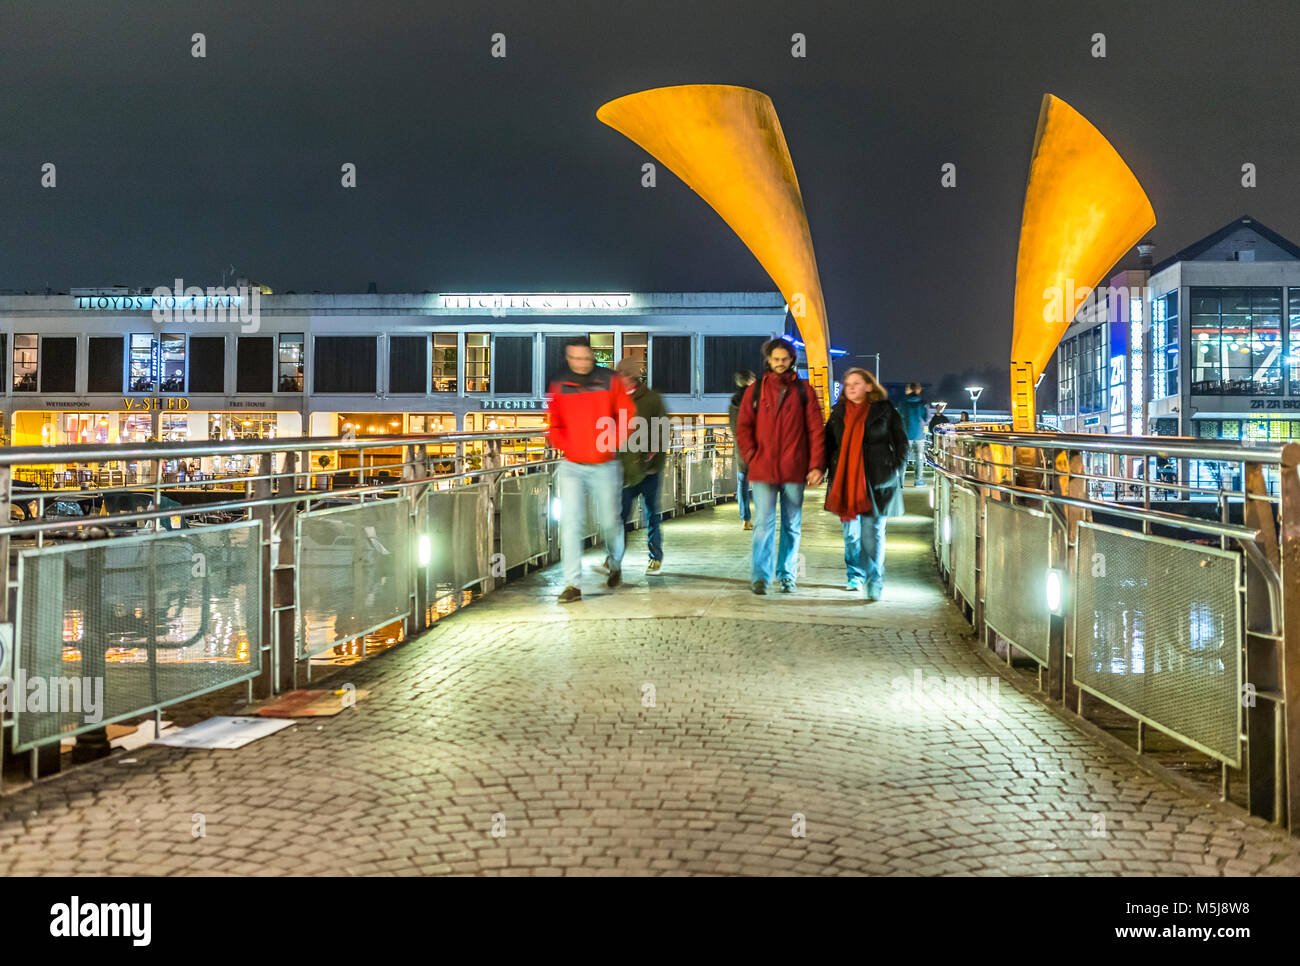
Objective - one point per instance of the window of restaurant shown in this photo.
(345, 364)
(554, 357)
(725, 355)
(291, 362)
(431, 423)
(514, 364)
(1293, 339)
(504, 422)
(602, 346)
(134, 427)
(255, 364)
(1164, 346)
(242, 425)
(407, 364)
(635, 345)
(59, 365)
(1236, 341)
(445, 359)
(105, 365)
(478, 359)
(173, 362)
(141, 375)
(1093, 368)
(26, 349)
(671, 363)
(207, 364)
(1067, 364)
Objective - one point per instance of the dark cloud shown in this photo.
(480, 173)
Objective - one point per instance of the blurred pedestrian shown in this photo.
(644, 456)
(582, 400)
(913, 411)
(744, 379)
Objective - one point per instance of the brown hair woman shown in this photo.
(866, 450)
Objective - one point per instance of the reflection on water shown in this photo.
(1136, 632)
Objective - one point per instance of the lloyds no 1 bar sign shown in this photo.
(515, 405)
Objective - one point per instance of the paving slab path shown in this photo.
(677, 725)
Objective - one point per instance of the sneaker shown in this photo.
(603, 566)
(855, 583)
(787, 587)
(749, 524)
(875, 591)
(759, 587)
(615, 578)
(654, 566)
(570, 594)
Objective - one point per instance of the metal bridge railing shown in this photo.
(1174, 602)
(136, 597)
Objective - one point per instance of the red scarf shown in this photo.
(849, 496)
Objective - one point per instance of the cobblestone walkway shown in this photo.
(769, 713)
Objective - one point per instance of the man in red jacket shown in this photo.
(781, 436)
(589, 411)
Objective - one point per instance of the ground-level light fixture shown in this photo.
(947, 528)
(555, 509)
(425, 550)
(1055, 590)
(931, 498)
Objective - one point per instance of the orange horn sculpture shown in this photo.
(1083, 210)
(726, 144)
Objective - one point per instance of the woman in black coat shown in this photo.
(868, 489)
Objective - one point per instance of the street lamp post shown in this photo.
(975, 401)
(871, 355)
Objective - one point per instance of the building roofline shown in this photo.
(1196, 249)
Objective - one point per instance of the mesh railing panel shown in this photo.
(964, 512)
(1017, 555)
(724, 475)
(525, 504)
(460, 538)
(353, 571)
(668, 485)
(138, 623)
(699, 479)
(1158, 633)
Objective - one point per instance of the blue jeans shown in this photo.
(916, 451)
(765, 499)
(648, 491)
(743, 495)
(574, 481)
(864, 550)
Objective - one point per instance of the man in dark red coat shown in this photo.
(781, 436)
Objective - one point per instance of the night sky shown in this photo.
(477, 173)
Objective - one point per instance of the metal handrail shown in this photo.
(1187, 447)
(109, 452)
(1230, 530)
